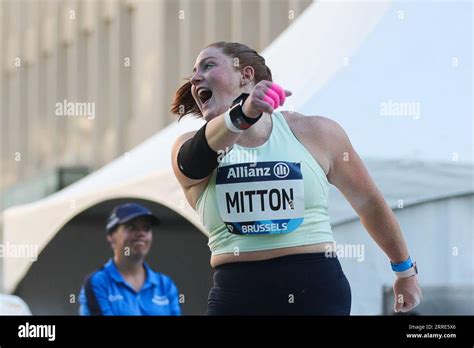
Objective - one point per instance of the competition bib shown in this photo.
(260, 197)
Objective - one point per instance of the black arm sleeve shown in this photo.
(196, 159)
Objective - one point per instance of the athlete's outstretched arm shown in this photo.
(219, 137)
(349, 174)
(194, 157)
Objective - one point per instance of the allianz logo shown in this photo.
(280, 170)
(160, 300)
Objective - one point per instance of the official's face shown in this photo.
(133, 238)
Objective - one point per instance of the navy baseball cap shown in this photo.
(125, 212)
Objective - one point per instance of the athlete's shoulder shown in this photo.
(324, 135)
(321, 126)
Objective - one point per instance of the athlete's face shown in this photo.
(132, 239)
(215, 82)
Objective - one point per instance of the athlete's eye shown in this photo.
(205, 68)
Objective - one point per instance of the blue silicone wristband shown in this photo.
(402, 266)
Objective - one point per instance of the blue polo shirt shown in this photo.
(105, 292)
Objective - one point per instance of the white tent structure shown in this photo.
(435, 199)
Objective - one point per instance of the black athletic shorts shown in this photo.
(300, 284)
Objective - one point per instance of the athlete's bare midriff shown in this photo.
(308, 140)
(221, 259)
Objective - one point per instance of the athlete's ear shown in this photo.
(247, 75)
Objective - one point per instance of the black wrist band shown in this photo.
(237, 116)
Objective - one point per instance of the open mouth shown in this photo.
(204, 95)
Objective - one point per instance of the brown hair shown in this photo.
(184, 103)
